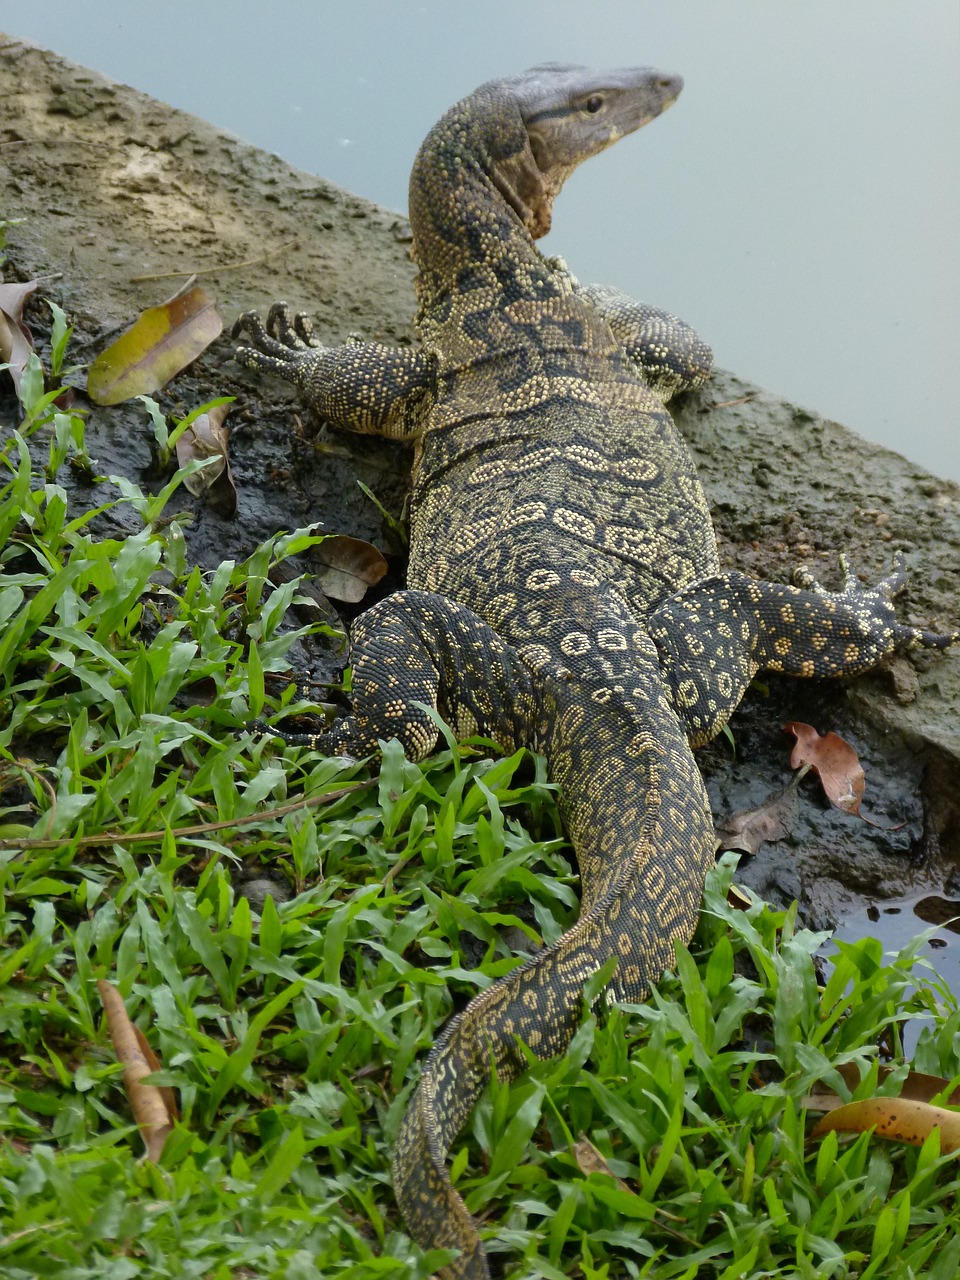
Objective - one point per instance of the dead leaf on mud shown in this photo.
(206, 437)
(154, 1107)
(16, 340)
(162, 341)
(200, 693)
(770, 821)
(309, 604)
(909, 1118)
(347, 567)
(835, 763)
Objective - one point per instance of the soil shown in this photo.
(122, 198)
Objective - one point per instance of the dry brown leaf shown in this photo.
(833, 760)
(16, 340)
(206, 437)
(154, 1107)
(917, 1086)
(590, 1160)
(160, 342)
(769, 822)
(347, 567)
(199, 693)
(896, 1119)
(738, 899)
(309, 604)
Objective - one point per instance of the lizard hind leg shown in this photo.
(416, 655)
(801, 630)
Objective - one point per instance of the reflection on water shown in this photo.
(897, 922)
(942, 911)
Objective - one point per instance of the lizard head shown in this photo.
(494, 163)
(570, 113)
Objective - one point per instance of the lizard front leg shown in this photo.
(668, 354)
(715, 636)
(363, 386)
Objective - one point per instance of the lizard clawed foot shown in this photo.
(279, 345)
(888, 586)
(875, 602)
(315, 741)
(295, 332)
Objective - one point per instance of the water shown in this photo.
(897, 922)
(799, 204)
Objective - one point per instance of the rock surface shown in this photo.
(122, 198)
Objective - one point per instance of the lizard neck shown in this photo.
(477, 201)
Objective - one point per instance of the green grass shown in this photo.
(293, 1038)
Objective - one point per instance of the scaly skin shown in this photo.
(565, 590)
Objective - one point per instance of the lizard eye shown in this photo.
(594, 103)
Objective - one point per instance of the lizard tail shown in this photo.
(634, 910)
(548, 990)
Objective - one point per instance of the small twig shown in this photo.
(43, 142)
(34, 772)
(14, 1236)
(199, 829)
(215, 270)
(187, 284)
(878, 826)
(394, 868)
(728, 404)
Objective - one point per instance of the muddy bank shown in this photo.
(113, 187)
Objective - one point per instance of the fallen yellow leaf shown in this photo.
(896, 1119)
(160, 342)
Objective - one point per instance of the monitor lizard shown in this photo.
(564, 590)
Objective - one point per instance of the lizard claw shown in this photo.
(278, 346)
(877, 602)
(295, 332)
